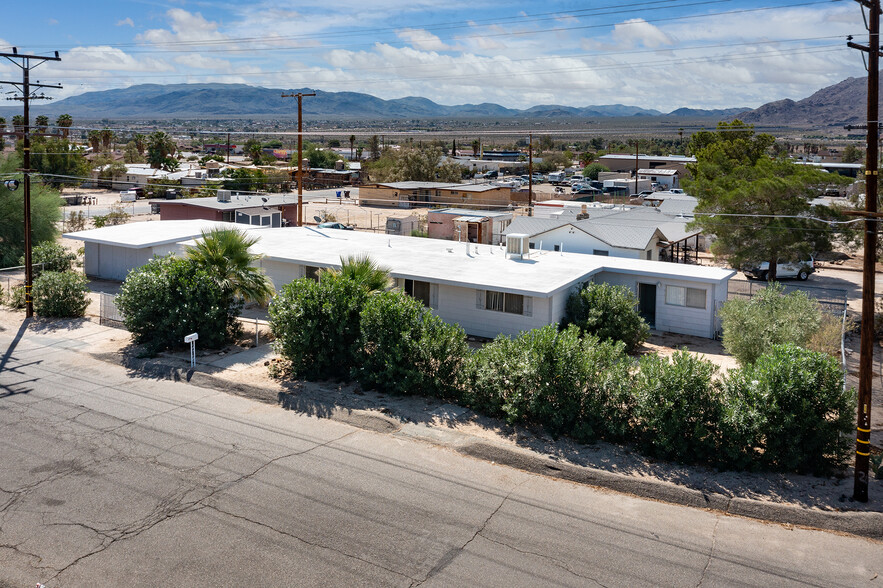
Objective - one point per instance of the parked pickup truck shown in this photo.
(797, 269)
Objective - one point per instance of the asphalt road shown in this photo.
(111, 479)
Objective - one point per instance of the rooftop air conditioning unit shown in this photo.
(223, 195)
(517, 244)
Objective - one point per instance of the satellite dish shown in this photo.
(317, 219)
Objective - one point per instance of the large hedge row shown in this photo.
(786, 411)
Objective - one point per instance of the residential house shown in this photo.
(474, 226)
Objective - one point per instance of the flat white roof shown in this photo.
(148, 234)
(447, 262)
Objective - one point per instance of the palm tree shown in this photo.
(64, 122)
(363, 270)
(18, 124)
(223, 253)
(139, 140)
(352, 146)
(106, 139)
(41, 123)
(95, 140)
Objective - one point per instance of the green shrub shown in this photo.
(789, 411)
(677, 408)
(169, 298)
(17, 296)
(608, 312)
(54, 257)
(316, 325)
(753, 326)
(572, 385)
(60, 294)
(405, 349)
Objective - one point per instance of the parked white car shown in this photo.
(798, 269)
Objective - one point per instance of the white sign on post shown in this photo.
(191, 338)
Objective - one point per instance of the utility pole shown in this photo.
(866, 354)
(530, 175)
(300, 155)
(24, 63)
(228, 148)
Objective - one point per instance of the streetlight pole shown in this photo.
(300, 156)
(25, 88)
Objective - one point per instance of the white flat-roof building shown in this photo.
(110, 252)
(489, 293)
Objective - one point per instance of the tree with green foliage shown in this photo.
(62, 294)
(417, 164)
(41, 124)
(131, 154)
(406, 349)
(171, 297)
(758, 208)
(254, 151)
(51, 257)
(851, 154)
(363, 270)
(316, 325)
(244, 179)
(55, 158)
(224, 255)
(320, 158)
(45, 212)
(789, 411)
(374, 147)
(608, 312)
(751, 327)
(592, 170)
(160, 150)
(352, 146)
(64, 122)
(94, 139)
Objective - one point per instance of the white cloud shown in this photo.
(638, 31)
(186, 27)
(422, 39)
(127, 22)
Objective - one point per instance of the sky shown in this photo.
(661, 54)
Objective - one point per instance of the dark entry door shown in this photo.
(647, 303)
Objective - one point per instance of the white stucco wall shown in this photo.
(111, 262)
(700, 322)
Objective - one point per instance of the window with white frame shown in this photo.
(683, 296)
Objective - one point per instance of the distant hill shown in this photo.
(207, 101)
(720, 113)
(841, 104)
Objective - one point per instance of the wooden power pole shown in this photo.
(866, 356)
(25, 63)
(300, 155)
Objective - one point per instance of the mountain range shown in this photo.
(841, 104)
(207, 101)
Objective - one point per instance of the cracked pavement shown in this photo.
(111, 479)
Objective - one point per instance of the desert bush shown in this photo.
(405, 349)
(572, 385)
(54, 257)
(60, 294)
(608, 312)
(76, 221)
(751, 327)
(317, 327)
(789, 411)
(169, 298)
(677, 408)
(16, 297)
(827, 338)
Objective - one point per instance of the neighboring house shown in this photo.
(274, 210)
(461, 224)
(402, 225)
(664, 178)
(488, 292)
(636, 233)
(139, 175)
(404, 194)
(111, 252)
